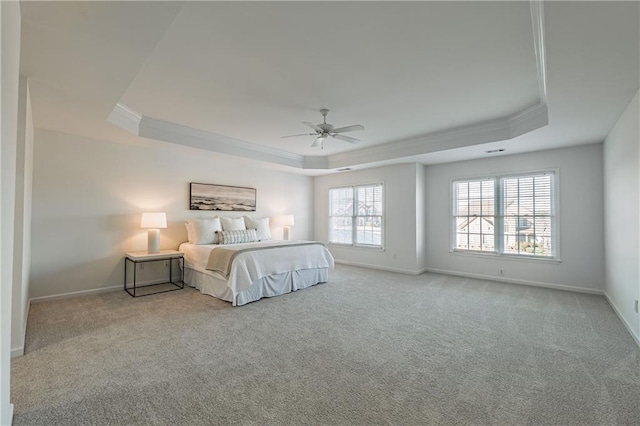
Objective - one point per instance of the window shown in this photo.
(512, 215)
(355, 215)
(528, 215)
(474, 215)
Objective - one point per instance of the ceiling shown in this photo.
(430, 81)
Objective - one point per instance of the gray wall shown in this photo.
(88, 196)
(402, 204)
(418, 212)
(580, 220)
(622, 214)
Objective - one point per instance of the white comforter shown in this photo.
(253, 265)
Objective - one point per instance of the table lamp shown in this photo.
(153, 221)
(286, 221)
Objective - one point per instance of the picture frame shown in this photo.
(212, 197)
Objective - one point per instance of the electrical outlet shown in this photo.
(636, 306)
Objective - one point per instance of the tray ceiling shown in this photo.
(430, 81)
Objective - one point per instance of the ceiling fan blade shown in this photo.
(318, 141)
(313, 126)
(293, 136)
(353, 128)
(346, 138)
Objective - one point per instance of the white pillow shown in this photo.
(261, 225)
(233, 224)
(203, 231)
(238, 237)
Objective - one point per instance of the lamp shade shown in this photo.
(286, 220)
(154, 220)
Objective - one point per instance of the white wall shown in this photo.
(622, 214)
(580, 219)
(9, 69)
(88, 196)
(22, 237)
(401, 204)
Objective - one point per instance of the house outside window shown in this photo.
(356, 215)
(511, 215)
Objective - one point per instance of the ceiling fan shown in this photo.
(324, 130)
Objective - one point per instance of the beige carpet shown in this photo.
(366, 348)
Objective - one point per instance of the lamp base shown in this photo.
(153, 241)
(286, 233)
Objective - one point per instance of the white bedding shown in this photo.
(253, 267)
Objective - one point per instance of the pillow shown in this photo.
(237, 237)
(261, 225)
(232, 224)
(203, 231)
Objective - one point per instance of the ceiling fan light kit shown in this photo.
(325, 130)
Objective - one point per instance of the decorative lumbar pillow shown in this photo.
(203, 231)
(237, 237)
(233, 224)
(261, 225)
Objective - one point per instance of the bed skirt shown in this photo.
(273, 285)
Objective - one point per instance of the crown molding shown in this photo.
(125, 118)
(528, 120)
(493, 130)
(537, 21)
(152, 128)
(189, 136)
(487, 131)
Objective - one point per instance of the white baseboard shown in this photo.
(18, 351)
(10, 416)
(75, 294)
(6, 417)
(518, 281)
(96, 290)
(381, 268)
(635, 336)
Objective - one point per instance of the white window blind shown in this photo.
(513, 215)
(341, 215)
(529, 216)
(474, 215)
(356, 215)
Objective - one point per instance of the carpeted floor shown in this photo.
(368, 347)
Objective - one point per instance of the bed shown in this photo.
(244, 273)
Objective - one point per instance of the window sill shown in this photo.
(356, 246)
(506, 256)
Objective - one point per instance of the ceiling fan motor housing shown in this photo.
(326, 127)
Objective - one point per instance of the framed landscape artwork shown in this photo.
(204, 196)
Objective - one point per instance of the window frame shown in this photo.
(454, 232)
(500, 216)
(355, 216)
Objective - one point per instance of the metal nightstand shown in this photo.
(144, 257)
